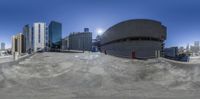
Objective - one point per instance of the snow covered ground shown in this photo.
(98, 76)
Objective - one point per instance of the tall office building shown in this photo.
(188, 48)
(39, 36)
(18, 44)
(55, 35)
(196, 43)
(14, 44)
(195, 48)
(3, 46)
(28, 37)
(80, 41)
(47, 47)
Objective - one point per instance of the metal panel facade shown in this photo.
(80, 41)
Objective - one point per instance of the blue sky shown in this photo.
(181, 17)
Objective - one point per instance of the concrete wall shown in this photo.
(142, 49)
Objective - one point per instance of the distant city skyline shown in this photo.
(180, 17)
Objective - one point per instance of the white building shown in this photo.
(196, 48)
(65, 43)
(39, 32)
(188, 48)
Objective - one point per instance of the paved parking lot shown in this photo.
(97, 76)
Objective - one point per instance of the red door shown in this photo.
(133, 55)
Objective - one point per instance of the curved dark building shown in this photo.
(139, 38)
